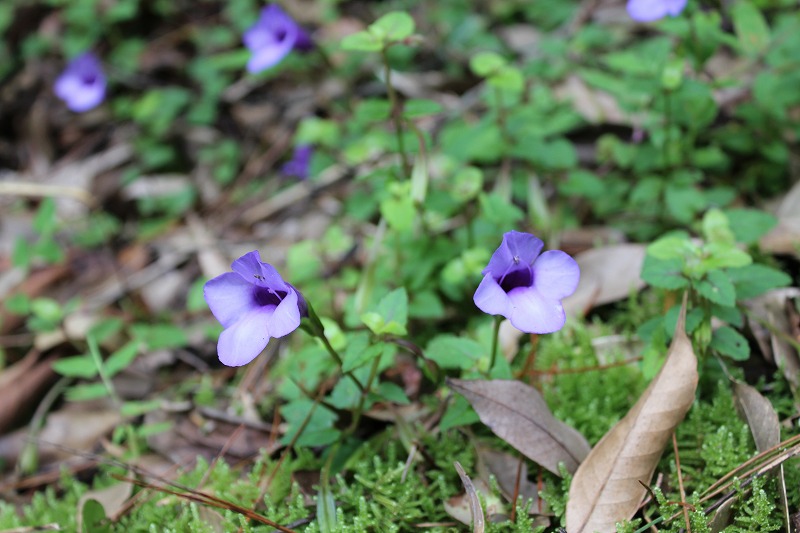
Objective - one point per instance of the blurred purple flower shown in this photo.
(252, 303)
(272, 37)
(526, 287)
(82, 85)
(650, 10)
(297, 166)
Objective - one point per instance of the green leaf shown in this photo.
(750, 26)
(717, 288)
(449, 351)
(467, 183)
(720, 255)
(508, 78)
(131, 408)
(391, 314)
(459, 413)
(359, 352)
(756, 279)
(392, 392)
(121, 359)
(716, 227)
(673, 246)
(672, 75)
(47, 309)
(78, 366)
(730, 342)
(749, 225)
(486, 63)
(399, 212)
(362, 41)
(393, 27)
(158, 336)
(90, 391)
(666, 274)
(418, 107)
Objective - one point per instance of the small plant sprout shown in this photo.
(297, 166)
(272, 37)
(525, 285)
(253, 304)
(650, 10)
(82, 85)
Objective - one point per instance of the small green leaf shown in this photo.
(718, 288)
(391, 314)
(716, 227)
(47, 309)
(666, 274)
(672, 75)
(416, 108)
(79, 366)
(392, 392)
(673, 246)
(720, 255)
(90, 391)
(121, 359)
(360, 352)
(753, 280)
(730, 342)
(449, 351)
(362, 41)
(749, 225)
(750, 26)
(507, 78)
(131, 408)
(393, 27)
(486, 63)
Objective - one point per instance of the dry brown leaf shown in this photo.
(759, 415)
(472, 500)
(519, 415)
(22, 385)
(722, 516)
(596, 106)
(509, 471)
(112, 498)
(608, 273)
(606, 488)
(785, 237)
(771, 309)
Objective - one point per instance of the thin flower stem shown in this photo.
(495, 337)
(395, 111)
(317, 329)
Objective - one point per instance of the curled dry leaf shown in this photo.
(476, 511)
(759, 414)
(608, 274)
(519, 415)
(606, 488)
(111, 498)
(773, 309)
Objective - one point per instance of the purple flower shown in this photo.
(82, 85)
(526, 287)
(252, 303)
(272, 37)
(650, 10)
(297, 166)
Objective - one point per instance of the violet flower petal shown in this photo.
(491, 298)
(297, 166)
(271, 38)
(252, 269)
(82, 85)
(651, 10)
(556, 275)
(229, 296)
(517, 248)
(246, 338)
(532, 312)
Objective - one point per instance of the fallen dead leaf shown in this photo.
(458, 505)
(608, 273)
(508, 471)
(770, 311)
(593, 105)
(785, 237)
(759, 415)
(21, 387)
(518, 414)
(111, 498)
(722, 516)
(606, 488)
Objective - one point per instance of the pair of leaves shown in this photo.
(389, 29)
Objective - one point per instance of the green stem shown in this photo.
(495, 337)
(317, 330)
(395, 111)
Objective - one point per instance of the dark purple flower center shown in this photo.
(89, 78)
(280, 34)
(264, 297)
(521, 277)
